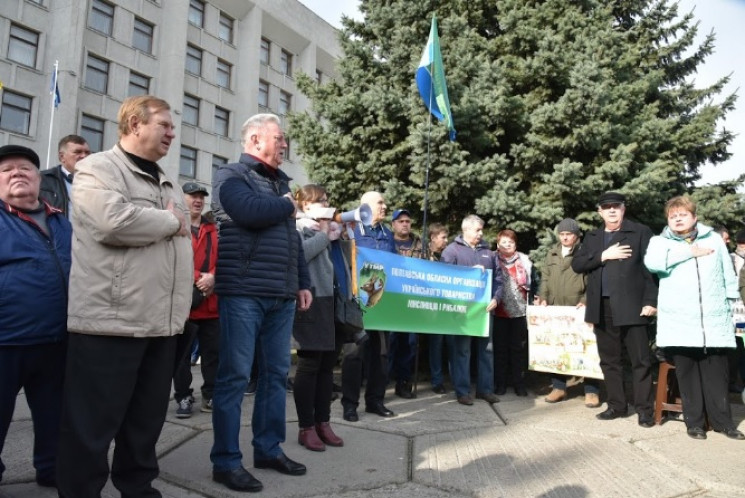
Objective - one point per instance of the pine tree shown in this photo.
(554, 103)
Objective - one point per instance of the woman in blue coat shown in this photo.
(694, 325)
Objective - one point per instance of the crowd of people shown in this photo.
(130, 272)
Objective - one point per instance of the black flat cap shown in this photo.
(19, 151)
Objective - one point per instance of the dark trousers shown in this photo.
(611, 340)
(510, 351)
(208, 333)
(369, 360)
(703, 380)
(116, 388)
(314, 378)
(38, 370)
(401, 355)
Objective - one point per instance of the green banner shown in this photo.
(404, 294)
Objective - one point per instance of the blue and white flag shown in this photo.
(430, 78)
(54, 89)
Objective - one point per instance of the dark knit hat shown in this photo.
(568, 225)
(19, 151)
(611, 198)
(740, 237)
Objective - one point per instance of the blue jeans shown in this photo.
(592, 386)
(461, 364)
(436, 342)
(251, 327)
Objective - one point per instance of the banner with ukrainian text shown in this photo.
(561, 342)
(413, 295)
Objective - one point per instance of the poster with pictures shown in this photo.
(560, 341)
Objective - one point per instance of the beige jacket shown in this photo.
(130, 276)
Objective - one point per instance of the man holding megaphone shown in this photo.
(369, 231)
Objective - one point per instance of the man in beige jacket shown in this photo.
(130, 293)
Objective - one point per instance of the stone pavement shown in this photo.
(434, 447)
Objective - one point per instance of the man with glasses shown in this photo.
(621, 298)
(261, 278)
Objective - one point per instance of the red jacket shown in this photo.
(208, 308)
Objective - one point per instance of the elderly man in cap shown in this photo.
(403, 345)
(203, 320)
(621, 298)
(561, 286)
(34, 271)
(130, 289)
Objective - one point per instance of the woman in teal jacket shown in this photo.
(694, 325)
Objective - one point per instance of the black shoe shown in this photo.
(488, 397)
(282, 464)
(404, 390)
(521, 391)
(611, 414)
(350, 414)
(238, 479)
(290, 385)
(379, 409)
(733, 434)
(500, 391)
(46, 480)
(646, 420)
(439, 389)
(697, 433)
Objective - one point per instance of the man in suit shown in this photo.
(621, 297)
(56, 183)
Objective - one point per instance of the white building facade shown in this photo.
(216, 62)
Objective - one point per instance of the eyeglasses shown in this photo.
(611, 205)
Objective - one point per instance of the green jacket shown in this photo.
(560, 285)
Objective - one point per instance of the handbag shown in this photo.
(347, 314)
(197, 297)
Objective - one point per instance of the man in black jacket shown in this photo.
(621, 296)
(57, 182)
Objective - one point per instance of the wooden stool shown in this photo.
(668, 397)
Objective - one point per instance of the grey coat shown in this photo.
(314, 329)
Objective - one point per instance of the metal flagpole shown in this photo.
(51, 119)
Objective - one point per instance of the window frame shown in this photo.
(95, 137)
(89, 70)
(193, 104)
(285, 100)
(265, 52)
(132, 84)
(190, 56)
(98, 13)
(21, 44)
(192, 161)
(147, 37)
(285, 63)
(16, 110)
(224, 73)
(226, 23)
(263, 85)
(197, 8)
(222, 121)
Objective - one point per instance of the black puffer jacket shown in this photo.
(259, 249)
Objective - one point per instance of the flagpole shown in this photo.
(52, 108)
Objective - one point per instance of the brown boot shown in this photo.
(555, 396)
(327, 434)
(309, 438)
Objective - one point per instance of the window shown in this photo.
(263, 94)
(319, 76)
(187, 165)
(196, 12)
(101, 17)
(264, 54)
(193, 60)
(138, 84)
(142, 38)
(217, 161)
(22, 45)
(223, 73)
(15, 113)
(97, 74)
(92, 130)
(285, 100)
(222, 121)
(190, 112)
(285, 63)
(226, 28)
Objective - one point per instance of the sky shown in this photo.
(725, 17)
